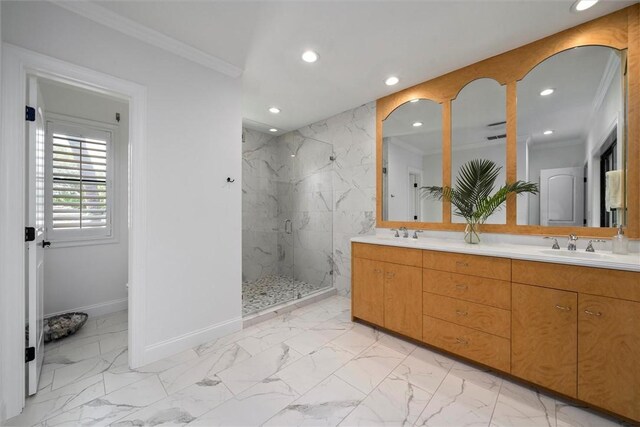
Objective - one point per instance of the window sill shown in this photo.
(82, 242)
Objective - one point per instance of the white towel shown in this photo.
(614, 190)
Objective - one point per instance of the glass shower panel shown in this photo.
(312, 197)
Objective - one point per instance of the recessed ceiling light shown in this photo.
(293, 155)
(273, 130)
(415, 100)
(581, 5)
(391, 81)
(417, 124)
(274, 110)
(547, 92)
(548, 132)
(310, 56)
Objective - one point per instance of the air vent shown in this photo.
(494, 137)
(490, 125)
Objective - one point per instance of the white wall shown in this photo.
(193, 262)
(398, 164)
(68, 268)
(562, 154)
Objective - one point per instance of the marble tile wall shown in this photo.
(261, 176)
(352, 135)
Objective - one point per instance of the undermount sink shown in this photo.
(576, 254)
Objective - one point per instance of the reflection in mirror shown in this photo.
(571, 139)
(411, 158)
(478, 131)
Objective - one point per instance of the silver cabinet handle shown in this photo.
(461, 287)
(461, 264)
(562, 307)
(391, 275)
(462, 341)
(377, 271)
(593, 313)
(461, 313)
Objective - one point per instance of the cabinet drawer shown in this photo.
(484, 318)
(587, 280)
(475, 345)
(483, 266)
(496, 293)
(392, 254)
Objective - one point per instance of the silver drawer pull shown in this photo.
(461, 287)
(593, 313)
(462, 341)
(391, 275)
(562, 307)
(377, 271)
(461, 313)
(461, 264)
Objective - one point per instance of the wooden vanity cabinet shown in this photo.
(544, 337)
(609, 354)
(388, 294)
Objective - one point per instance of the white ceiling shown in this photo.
(360, 43)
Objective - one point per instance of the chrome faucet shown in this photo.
(396, 234)
(591, 242)
(571, 244)
(555, 242)
(405, 232)
(415, 234)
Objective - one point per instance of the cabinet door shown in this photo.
(403, 300)
(368, 290)
(609, 345)
(544, 337)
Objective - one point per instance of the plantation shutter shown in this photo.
(80, 170)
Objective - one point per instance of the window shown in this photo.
(79, 188)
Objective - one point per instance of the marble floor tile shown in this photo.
(254, 370)
(114, 406)
(202, 368)
(46, 404)
(181, 407)
(370, 367)
(324, 405)
(88, 367)
(424, 368)
(395, 402)
(252, 407)
(359, 338)
(307, 372)
(310, 366)
(467, 396)
(522, 406)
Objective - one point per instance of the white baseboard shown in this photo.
(99, 309)
(158, 351)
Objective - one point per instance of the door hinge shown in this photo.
(30, 114)
(415, 217)
(29, 354)
(415, 185)
(29, 234)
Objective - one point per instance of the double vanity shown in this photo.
(566, 321)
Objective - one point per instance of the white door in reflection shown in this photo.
(562, 197)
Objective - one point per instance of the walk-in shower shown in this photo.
(287, 219)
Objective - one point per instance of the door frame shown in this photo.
(17, 62)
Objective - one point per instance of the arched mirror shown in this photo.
(571, 139)
(411, 159)
(478, 131)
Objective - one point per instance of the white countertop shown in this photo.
(600, 259)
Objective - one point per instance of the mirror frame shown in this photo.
(619, 30)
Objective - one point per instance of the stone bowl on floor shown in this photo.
(63, 325)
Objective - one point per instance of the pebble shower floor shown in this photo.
(272, 290)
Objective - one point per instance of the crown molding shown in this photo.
(133, 29)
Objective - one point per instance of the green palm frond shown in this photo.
(471, 196)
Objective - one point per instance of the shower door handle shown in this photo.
(288, 229)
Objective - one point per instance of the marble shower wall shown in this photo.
(352, 135)
(262, 173)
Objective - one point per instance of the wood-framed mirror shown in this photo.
(588, 126)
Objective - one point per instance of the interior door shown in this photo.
(562, 197)
(35, 249)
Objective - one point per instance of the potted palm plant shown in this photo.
(472, 194)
